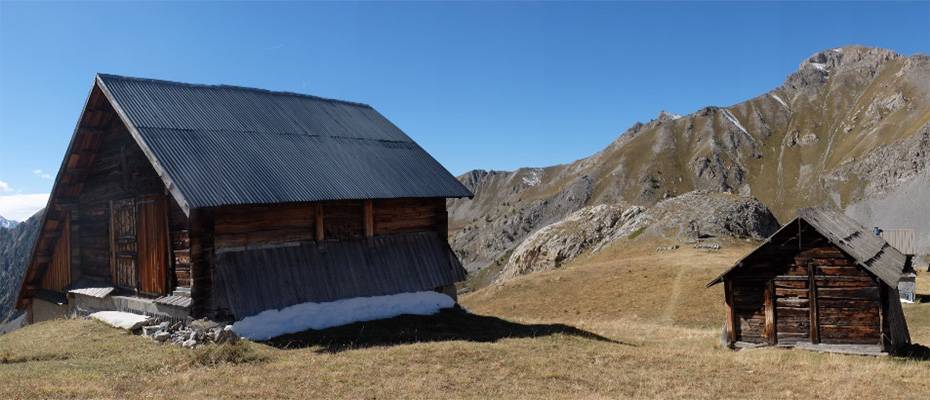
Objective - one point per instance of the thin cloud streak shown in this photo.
(41, 174)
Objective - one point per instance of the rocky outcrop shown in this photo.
(495, 228)
(701, 215)
(690, 217)
(564, 240)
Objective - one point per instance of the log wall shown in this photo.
(269, 225)
(810, 290)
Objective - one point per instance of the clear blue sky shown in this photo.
(479, 85)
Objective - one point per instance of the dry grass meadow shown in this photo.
(627, 323)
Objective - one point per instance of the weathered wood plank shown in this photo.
(865, 293)
(770, 313)
(731, 315)
(813, 296)
(369, 219)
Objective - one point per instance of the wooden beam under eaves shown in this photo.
(318, 217)
(369, 218)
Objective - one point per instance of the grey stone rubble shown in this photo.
(191, 335)
(707, 246)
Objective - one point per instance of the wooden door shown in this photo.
(123, 246)
(152, 228)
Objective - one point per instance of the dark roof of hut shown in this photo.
(312, 272)
(227, 145)
(869, 250)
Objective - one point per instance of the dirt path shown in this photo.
(668, 314)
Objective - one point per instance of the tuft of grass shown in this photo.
(636, 233)
(228, 353)
(7, 358)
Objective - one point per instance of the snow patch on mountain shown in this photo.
(779, 100)
(532, 178)
(7, 223)
(732, 119)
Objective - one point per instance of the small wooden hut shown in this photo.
(191, 200)
(821, 281)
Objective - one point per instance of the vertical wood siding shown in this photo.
(153, 246)
(58, 275)
(120, 171)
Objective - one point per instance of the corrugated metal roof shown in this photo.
(329, 271)
(98, 292)
(869, 250)
(224, 145)
(901, 239)
(176, 301)
(91, 287)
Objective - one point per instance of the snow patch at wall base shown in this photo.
(305, 316)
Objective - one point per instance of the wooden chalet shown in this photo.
(822, 281)
(187, 200)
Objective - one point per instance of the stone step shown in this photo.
(182, 291)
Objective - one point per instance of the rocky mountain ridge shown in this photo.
(15, 246)
(7, 223)
(849, 129)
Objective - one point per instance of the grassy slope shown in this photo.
(663, 325)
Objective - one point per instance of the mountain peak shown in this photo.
(826, 60)
(7, 223)
(667, 116)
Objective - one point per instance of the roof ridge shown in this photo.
(235, 87)
(317, 135)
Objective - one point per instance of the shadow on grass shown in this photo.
(916, 351)
(447, 325)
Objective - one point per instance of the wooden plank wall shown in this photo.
(819, 294)
(120, 171)
(179, 231)
(58, 275)
(264, 225)
(792, 303)
(202, 260)
(749, 313)
(236, 228)
(847, 299)
(410, 215)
